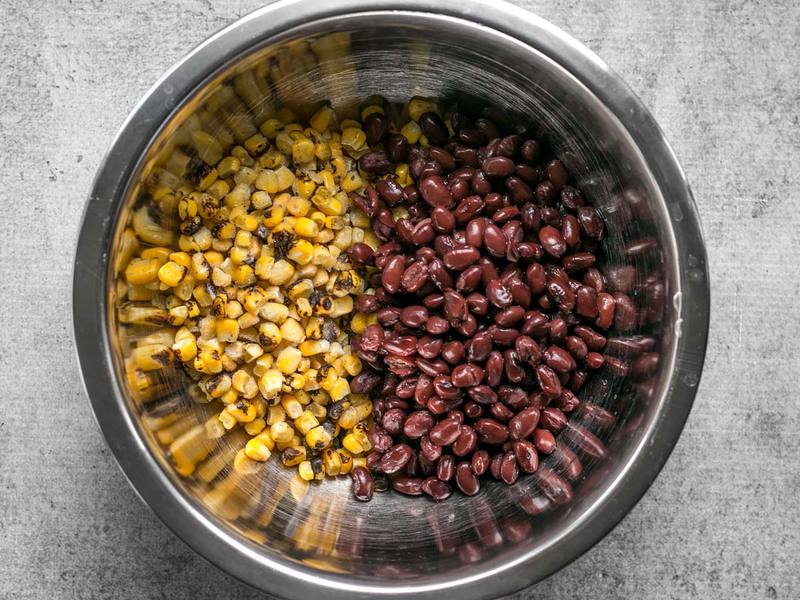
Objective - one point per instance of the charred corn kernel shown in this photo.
(185, 349)
(243, 275)
(346, 459)
(281, 273)
(318, 411)
(288, 360)
(141, 271)
(256, 144)
(313, 347)
(307, 228)
(352, 182)
(331, 462)
(298, 381)
(292, 331)
(411, 131)
(281, 432)
(208, 361)
(253, 299)
(303, 307)
(301, 252)
(305, 471)
(324, 306)
(256, 449)
(293, 456)
(274, 216)
(353, 138)
(178, 314)
(318, 438)
(270, 383)
(352, 364)
(273, 311)
(355, 414)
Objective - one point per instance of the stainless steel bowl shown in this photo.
(262, 527)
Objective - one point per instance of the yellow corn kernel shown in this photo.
(253, 299)
(331, 462)
(313, 347)
(227, 419)
(417, 106)
(302, 288)
(352, 445)
(360, 461)
(275, 414)
(303, 307)
(352, 182)
(227, 330)
(293, 456)
(301, 252)
(281, 432)
(208, 361)
(318, 411)
(252, 351)
(285, 178)
(305, 471)
(352, 364)
(291, 406)
(306, 422)
(403, 174)
(318, 438)
(302, 151)
(353, 139)
(360, 322)
(244, 383)
(273, 311)
(185, 349)
(288, 360)
(270, 128)
(141, 271)
(298, 381)
(255, 426)
(274, 216)
(256, 449)
(281, 273)
(256, 144)
(411, 131)
(307, 228)
(355, 414)
(242, 410)
(322, 119)
(178, 314)
(324, 306)
(228, 166)
(292, 331)
(217, 385)
(243, 275)
(347, 461)
(270, 383)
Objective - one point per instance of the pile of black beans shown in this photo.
(491, 311)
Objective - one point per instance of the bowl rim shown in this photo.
(89, 306)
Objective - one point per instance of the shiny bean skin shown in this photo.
(494, 240)
(544, 441)
(528, 350)
(548, 381)
(400, 345)
(465, 442)
(423, 233)
(498, 166)
(593, 340)
(363, 484)
(571, 234)
(514, 370)
(586, 302)
(606, 306)
(455, 307)
(469, 278)
(445, 432)
(433, 128)
(444, 388)
(552, 242)
(494, 368)
(395, 458)
(380, 439)
(523, 423)
(553, 419)
(494, 465)
(509, 316)
(477, 303)
(445, 468)
(392, 273)
(625, 316)
(433, 301)
(466, 479)
(452, 352)
(366, 303)
(429, 450)
(442, 220)
(498, 294)
(479, 462)
(393, 420)
(578, 261)
(436, 489)
(459, 259)
(414, 316)
(577, 347)
(514, 397)
(414, 277)
(418, 424)
(434, 191)
(410, 486)
(590, 222)
(501, 412)
(526, 455)
(469, 208)
(443, 157)
(436, 325)
(390, 191)
(520, 293)
(490, 431)
(473, 410)
(467, 375)
(559, 359)
(468, 326)
(594, 360)
(509, 469)
(545, 192)
(405, 389)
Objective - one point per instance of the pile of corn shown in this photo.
(235, 269)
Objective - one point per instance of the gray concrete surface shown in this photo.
(721, 78)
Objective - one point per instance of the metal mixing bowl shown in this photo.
(266, 529)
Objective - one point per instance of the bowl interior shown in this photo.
(396, 540)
